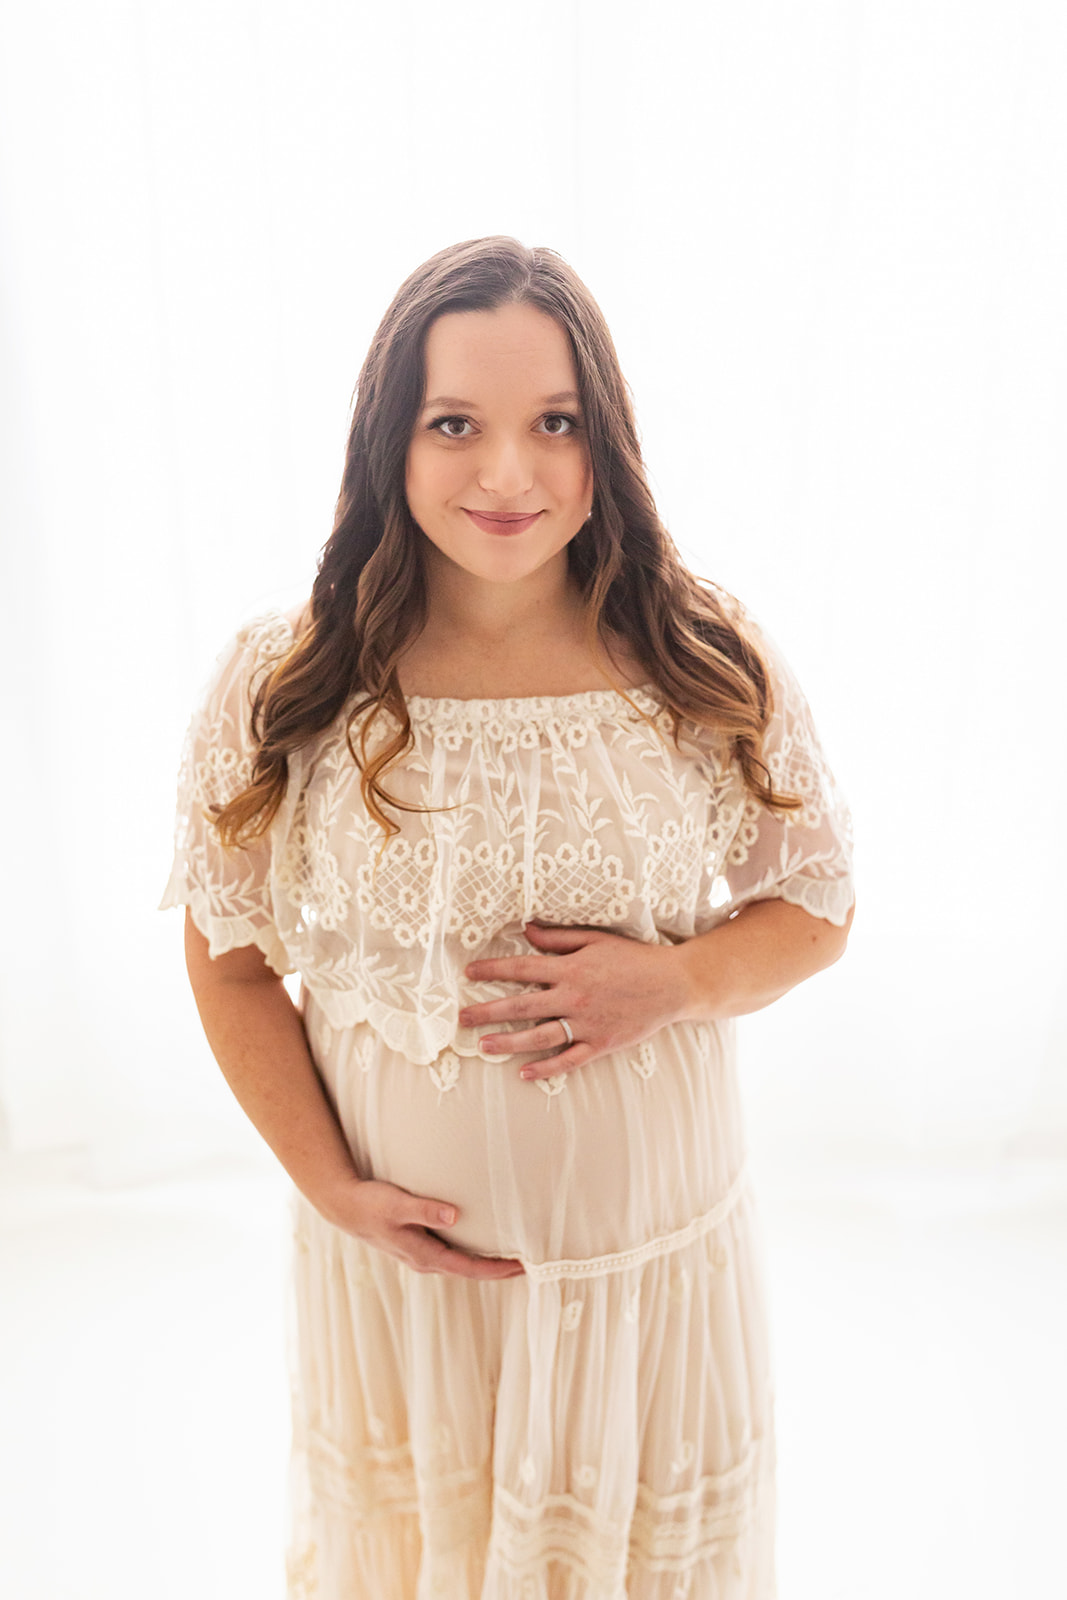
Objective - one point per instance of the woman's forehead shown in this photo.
(511, 346)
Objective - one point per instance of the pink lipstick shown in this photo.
(501, 522)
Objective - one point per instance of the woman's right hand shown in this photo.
(400, 1223)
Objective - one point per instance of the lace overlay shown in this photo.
(600, 1428)
(567, 809)
(469, 1491)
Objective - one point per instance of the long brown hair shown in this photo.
(368, 602)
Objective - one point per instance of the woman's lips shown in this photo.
(498, 524)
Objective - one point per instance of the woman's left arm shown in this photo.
(756, 957)
(616, 992)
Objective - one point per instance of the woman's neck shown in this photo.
(464, 611)
(491, 640)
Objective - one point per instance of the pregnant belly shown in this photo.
(633, 1146)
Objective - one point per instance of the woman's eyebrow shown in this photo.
(453, 400)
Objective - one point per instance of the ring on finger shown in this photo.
(565, 1025)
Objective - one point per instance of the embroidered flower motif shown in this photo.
(679, 1286)
(554, 1085)
(631, 1306)
(585, 1477)
(644, 1064)
(684, 1458)
(357, 909)
(363, 1053)
(445, 1071)
(684, 1587)
(376, 1428)
(528, 1470)
(572, 1315)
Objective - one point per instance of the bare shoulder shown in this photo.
(298, 617)
(628, 666)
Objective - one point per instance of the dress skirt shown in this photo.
(600, 1428)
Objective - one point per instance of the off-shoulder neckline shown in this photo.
(425, 705)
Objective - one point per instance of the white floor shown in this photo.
(919, 1326)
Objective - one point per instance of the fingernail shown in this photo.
(447, 1214)
(525, 1073)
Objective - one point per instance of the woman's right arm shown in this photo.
(257, 1037)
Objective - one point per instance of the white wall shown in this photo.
(830, 240)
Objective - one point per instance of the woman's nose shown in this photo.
(505, 468)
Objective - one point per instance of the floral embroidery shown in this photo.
(564, 809)
(554, 1085)
(679, 1286)
(445, 1071)
(684, 1458)
(644, 1063)
(572, 1315)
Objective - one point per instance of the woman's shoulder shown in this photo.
(270, 632)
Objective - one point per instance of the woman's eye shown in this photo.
(443, 425)
(558, 424)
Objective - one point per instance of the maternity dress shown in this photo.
(600, 1428)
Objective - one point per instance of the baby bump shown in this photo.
(618, 1152)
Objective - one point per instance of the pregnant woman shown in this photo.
(535, 814)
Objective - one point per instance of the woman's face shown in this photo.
(500, 432)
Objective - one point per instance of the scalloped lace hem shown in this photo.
(829, 898)
(419, 1039)
(224, 934)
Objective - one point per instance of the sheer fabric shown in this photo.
(603, 1426)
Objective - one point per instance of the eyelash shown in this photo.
(435, 426)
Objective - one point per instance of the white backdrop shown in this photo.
(831, 242)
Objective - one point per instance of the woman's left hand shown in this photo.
(613, 992)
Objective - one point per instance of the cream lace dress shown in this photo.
(601, 1427)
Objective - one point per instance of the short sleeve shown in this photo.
(802, 856)
(227, 891)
